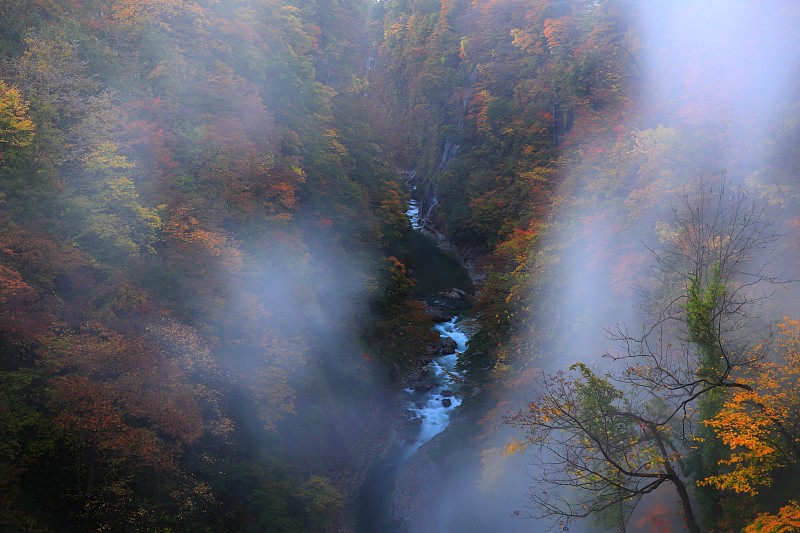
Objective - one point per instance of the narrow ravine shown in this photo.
(428, 403)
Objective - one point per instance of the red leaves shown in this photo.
(122, 395)
(13, 287)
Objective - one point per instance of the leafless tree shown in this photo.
(603, 442)
(715, 268)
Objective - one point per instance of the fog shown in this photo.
(712, 97)
(214, 201)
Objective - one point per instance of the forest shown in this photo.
(212, 300)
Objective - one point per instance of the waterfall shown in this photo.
(449, 153)
(473, 76)
(428, 203)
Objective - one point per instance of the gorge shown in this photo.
(399, 265)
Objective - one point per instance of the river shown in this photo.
(426, 409)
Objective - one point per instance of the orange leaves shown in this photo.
(517, 246)
(559, 32)
(625, 270)
(479, 111)
(13, 287)
(89, 411)
(754, 422)
(16, 299)
(787, 520)
(153, 145)
(185, 232)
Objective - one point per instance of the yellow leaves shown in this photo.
(16, 127)
(742, 479)
(538, 174)
(666, 233)
(747, 433)
(513, 447)
(526, 41)
(105, 158)
(333, 141)
(129, 12)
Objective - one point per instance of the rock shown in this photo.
(447, 402)
(446, 393)
(455, 294)
(416, 421)
(448, 346)
(423, 387)
(439, 314)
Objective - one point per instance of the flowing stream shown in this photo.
(427, 407)
(434, 407)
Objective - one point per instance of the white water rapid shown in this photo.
(435, 406)
(413, 214)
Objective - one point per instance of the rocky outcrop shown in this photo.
(354, 467)
(418, 483)
(455, 294)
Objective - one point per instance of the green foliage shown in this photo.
(701, 314)
(322, 502)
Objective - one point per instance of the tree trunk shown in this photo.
(680, 486)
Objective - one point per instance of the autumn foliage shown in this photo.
(159, 277)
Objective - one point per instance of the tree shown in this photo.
(759, 424)
(617, 438)
(786, 521)
(322, 502)
(713, 274)
(16, 127)
(599, 450)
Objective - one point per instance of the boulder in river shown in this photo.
(449, 346)
(438, 314)
(414, 422)
(447, 402)
(446, 393)
(455, 294)
(423, 386)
